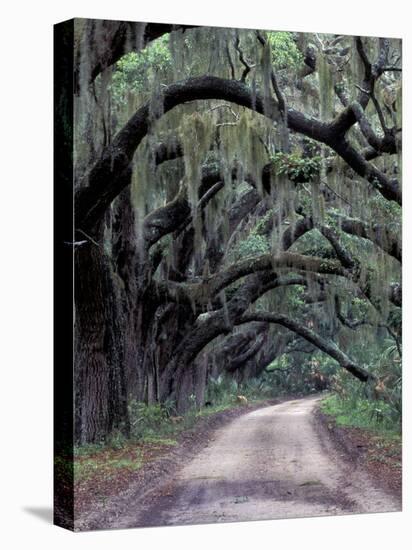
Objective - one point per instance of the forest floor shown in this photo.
(277, 461)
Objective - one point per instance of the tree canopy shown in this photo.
(238, 202)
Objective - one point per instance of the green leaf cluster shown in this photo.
(285, 53)
(296, 167)
(254, 245)
(134, 71)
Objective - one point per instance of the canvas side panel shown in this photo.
(63, 274)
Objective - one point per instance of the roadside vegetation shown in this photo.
(367, 420)
(156, 428)
(375, 406)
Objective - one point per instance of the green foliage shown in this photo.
(282, 362)
(295, 299)
(223, 390)
(313, 243)
(87, 449)
(157, 422)
(388, 211)
(395, 320)
(169, 407)
(361, 413)
(359, 307)
(388, 368)
(297, 374)
(116, 440)
(147, 420)
(253, 245)
(256, 389)
(135, 71)
(296, 167)
(383, 395)
(101, 464)
(285, 53)
(323, 363)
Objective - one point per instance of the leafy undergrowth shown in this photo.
(368, 436)
(371, 415)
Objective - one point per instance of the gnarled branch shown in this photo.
(324, 345)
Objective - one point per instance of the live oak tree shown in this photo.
(237, 193)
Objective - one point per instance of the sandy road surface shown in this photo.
(267, 464)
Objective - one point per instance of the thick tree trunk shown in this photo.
(132, 270)
(101, 404)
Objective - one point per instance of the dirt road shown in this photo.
(267, 464)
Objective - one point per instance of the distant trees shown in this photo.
(232, 187)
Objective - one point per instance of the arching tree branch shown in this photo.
(309, 335)
(380, 235)
(115, 39)
(107, 177)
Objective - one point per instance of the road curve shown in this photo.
(268, 464)
(272, 463)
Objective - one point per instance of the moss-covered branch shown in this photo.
(106, 178)
(325, 345)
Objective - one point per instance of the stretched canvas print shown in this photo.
(227, 274)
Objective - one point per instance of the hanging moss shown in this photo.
(357, 69)
(196, 135)
(156, 106)
(240, 147)
(266, 70)
(178, 52)
(326, 87)
(138, 197)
